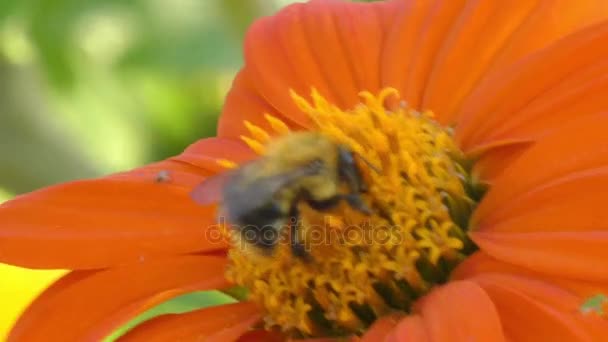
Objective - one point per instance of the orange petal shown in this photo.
(438, 51)
(550, 21)
(405, 37)
(468, 50)
(570, 203)
(429, 37)
(334, 46)
(120, 218)
(577, 95)
(494, 37)
(411, 328)
(565, 254)
(220, 323)
(89, 305)
(574, 152)
(578, 292)
(480, 263)
(459, 311)
(205, 153)
(502, 96)
(532, 310)
(244, 103)
(380, 330)
(269, 68)
(490, 165)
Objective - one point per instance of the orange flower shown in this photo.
(524, 87)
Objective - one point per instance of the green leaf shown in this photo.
(181, 304)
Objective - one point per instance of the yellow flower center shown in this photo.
(363, 267)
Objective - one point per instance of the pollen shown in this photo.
(364, 267)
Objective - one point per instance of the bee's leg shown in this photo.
(297, 247)
(326, 204)
(349, 172)
(354, 200)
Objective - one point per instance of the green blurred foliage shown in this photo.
(89, 87)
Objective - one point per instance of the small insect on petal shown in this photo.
(163, 176)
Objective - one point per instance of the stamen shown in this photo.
(257, 133)
(364, 267)
(277, 125)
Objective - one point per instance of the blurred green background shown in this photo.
(89, 87)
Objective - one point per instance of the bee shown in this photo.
(261, 197)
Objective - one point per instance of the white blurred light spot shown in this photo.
(104, 36)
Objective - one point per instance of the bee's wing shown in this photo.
(272, 184)
(209, 191)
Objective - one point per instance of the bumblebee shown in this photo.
(261, 197)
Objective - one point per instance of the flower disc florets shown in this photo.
(363, 267)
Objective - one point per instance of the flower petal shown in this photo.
(550, 20)
(422, 48)
(243, 102)
(88, 305)
(411, 328)
(220, 323)
(490, 166)
(458, 311)
(567, 254)
(532, 310)
(577, 95)
(381, 328)
(411, 41)
(120, 218)
(205, 153)
(578, 292)
(502, 98)
(334, 46)
(570, 203)
(480, 263)
(575, 152)
(494, 37)
(479, 33)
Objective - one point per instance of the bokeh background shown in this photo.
(90, 87)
